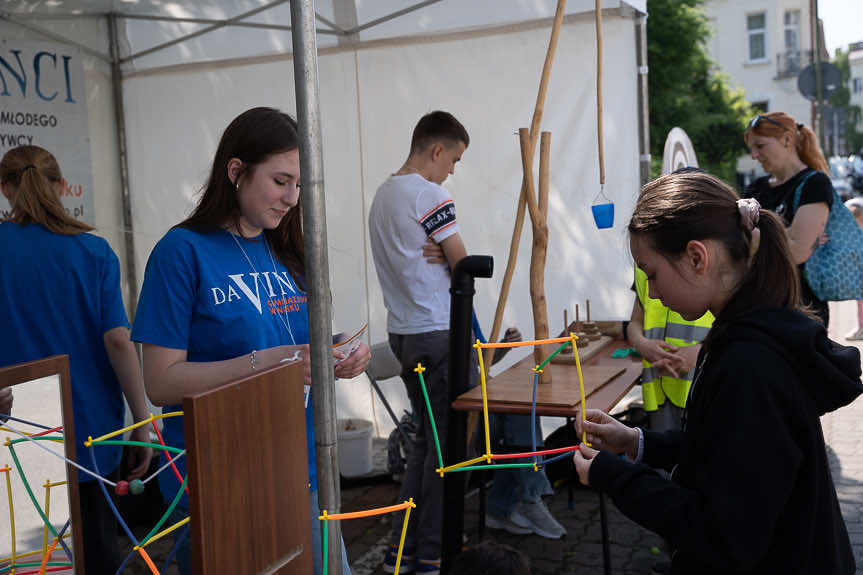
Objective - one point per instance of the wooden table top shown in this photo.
(606, 381)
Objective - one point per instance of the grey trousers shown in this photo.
(420, 481)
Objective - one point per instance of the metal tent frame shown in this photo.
(307, 24)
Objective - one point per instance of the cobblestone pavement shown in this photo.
(579, 552)
(843, 432)
(632, 547)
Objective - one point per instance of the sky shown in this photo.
(843, 22)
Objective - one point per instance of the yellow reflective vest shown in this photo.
(663, 324)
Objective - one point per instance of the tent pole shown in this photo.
(120, 123)
(643, 103)
(317, 268)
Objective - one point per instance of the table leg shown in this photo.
(606, 548)
(483, 494)
(570, 501)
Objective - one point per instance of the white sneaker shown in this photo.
(855, 335)
(506, 524)
(539, 518)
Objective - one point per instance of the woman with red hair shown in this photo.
(790, 154)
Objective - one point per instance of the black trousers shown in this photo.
(102, 550)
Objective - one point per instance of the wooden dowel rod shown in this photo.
(519, 216)
(537, 261)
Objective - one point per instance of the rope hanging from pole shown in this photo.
(598, 17)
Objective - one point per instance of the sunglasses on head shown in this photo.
(753, 123)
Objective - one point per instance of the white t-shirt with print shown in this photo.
(407, 211)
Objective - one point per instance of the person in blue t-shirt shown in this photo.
(61, 295)
(224, 291)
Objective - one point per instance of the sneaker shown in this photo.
(427, 566)
(407, 564)
(539, 518)
(506, 524)
(856, 335)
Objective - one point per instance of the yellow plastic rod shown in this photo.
(580, 389)
(411, 505)
(484, 399)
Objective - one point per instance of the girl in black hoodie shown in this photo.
(750, 488)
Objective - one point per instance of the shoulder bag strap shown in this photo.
(799, 189)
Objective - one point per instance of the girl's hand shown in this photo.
(654, 350)
(139, 456)
(606, 433)
(512, 334)
(682, 363)
(583, 457)
(354, 364)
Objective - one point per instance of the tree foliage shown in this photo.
(687, 91)
(842, 99)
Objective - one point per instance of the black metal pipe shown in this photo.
(461, 309)
(606, 546)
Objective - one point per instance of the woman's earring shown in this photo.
(237, 187)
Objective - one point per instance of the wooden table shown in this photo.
(606, 381)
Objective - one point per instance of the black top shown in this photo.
(780, 199)
(751, 490)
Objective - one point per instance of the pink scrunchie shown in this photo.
(749, 211)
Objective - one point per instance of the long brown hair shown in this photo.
(776, 124)
(252, 137)
(31, 177)
(678, 208)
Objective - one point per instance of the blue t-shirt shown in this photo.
(60, 294)
(202, 295)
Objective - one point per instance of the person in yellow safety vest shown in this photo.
(669, 347)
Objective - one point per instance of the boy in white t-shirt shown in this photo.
(410, 209)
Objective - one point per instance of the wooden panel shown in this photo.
(57, 365)
(248, 475)
(516, 385)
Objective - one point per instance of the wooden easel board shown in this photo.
(248, 475)
(515, 385)
(33, 370)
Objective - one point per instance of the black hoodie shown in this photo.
(751, 490)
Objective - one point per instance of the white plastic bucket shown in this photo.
(355, 447)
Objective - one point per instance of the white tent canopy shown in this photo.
(159, 34)
(382, 64)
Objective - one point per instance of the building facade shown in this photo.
(855, 63)
(762, 45)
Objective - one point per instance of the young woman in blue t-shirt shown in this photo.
(223, 293)
(61, 295)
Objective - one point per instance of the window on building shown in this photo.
(756, 35)
(761, 107)
(792, 30)
(857, 85)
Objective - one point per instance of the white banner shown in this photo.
(43, 103)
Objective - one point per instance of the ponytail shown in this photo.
(31, 176)
(771, 278)
(809, 151)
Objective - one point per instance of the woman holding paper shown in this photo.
(224, 290)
